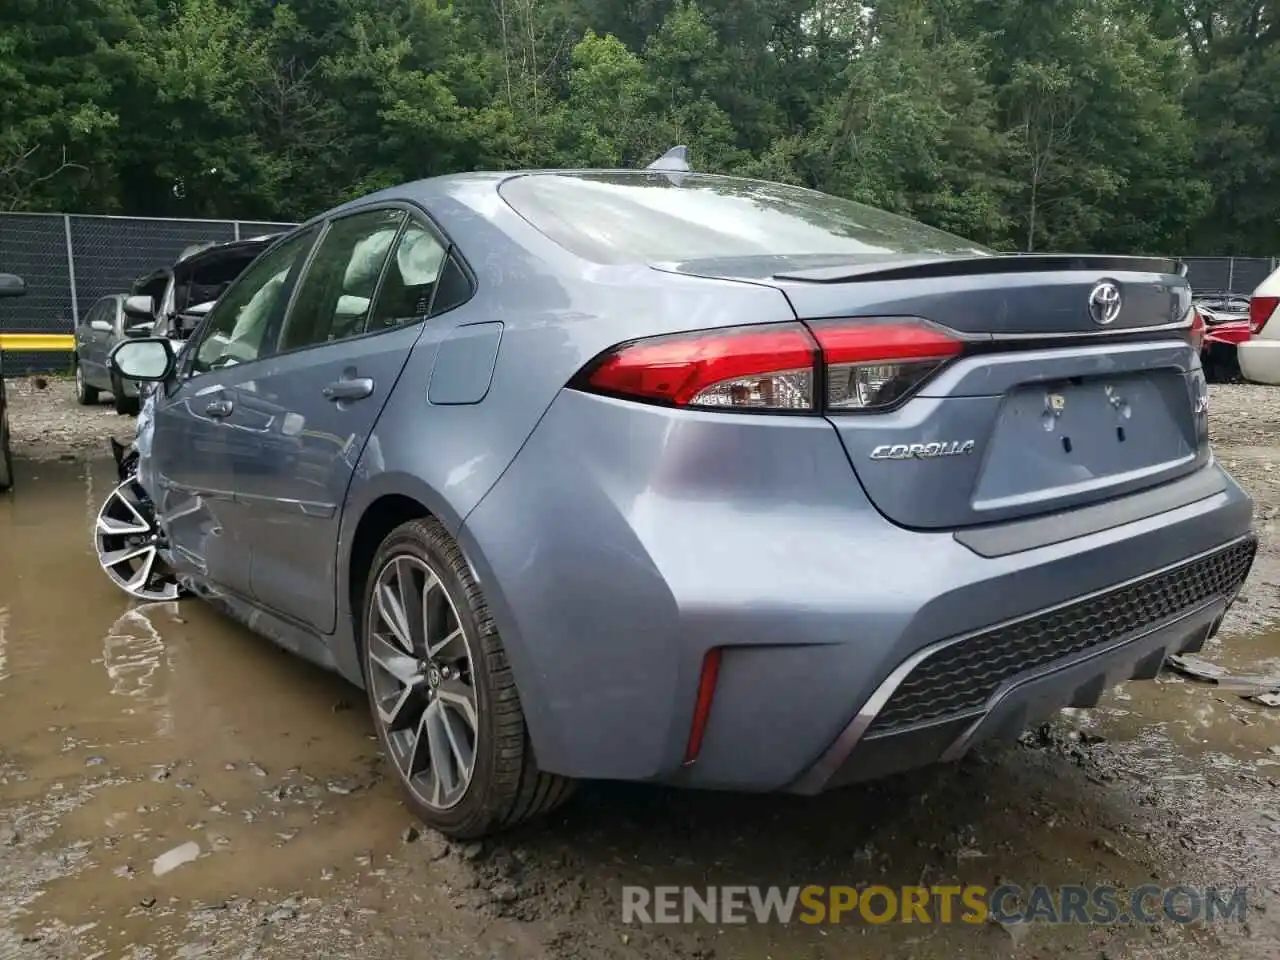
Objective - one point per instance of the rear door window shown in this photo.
(651, 217)
(334, 300)
(409, 287)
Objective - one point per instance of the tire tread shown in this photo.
(517, 790)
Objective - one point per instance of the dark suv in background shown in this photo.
(168, 302)
(174, 298)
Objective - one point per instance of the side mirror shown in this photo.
(146, 359)
(102, 326)
(138, 307)
(11, 286)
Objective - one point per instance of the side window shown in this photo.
(405, 294)
(90, 315)
(236, 329)
(333, 301)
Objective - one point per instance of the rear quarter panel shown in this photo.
(556, 313)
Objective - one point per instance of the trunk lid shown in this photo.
(1078, 383)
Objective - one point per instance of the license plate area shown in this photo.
(1054, 439)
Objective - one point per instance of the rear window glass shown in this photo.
(662, 217)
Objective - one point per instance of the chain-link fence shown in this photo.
(70, 261)
(1235, 275)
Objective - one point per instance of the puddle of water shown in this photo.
(162, 727)
(1201, 720)
(137, 736)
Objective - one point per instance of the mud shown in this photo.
(173, 787)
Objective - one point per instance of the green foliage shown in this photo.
(1123, 125)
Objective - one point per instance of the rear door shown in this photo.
(341, 350)
(203, 439)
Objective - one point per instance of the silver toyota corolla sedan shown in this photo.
(656, 475)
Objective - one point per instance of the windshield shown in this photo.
(663, 217)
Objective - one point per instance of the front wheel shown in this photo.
(125, 406)
(442, 694)
(86, 395)
(129, 545)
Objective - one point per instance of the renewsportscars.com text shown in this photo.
(1008, 904)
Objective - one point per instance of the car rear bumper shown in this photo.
(1069, 672)
(1260, 360)
(625, 542)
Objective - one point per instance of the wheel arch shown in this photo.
(397, 500)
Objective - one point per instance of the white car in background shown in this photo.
(1260, 354)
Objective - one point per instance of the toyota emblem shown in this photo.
(1104, 302)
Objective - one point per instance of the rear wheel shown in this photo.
(442, 694)
(125, 406)
(86, 395)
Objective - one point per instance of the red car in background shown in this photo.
(1226, 326)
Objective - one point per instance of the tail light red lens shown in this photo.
(865, 363)
(1260, 311)
(1195, 335)
(872, 364)
(752, 367)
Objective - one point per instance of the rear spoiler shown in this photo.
(924, 266)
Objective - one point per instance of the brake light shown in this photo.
(866, 364)
(871, 364)
(1260, 311)
(1195, 335)
(752, 367)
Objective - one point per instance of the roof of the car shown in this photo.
(459, 186)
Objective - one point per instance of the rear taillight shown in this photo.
(1195, 335)
(751, 367)
(865, 364)
(1260, 311)
(871, 364)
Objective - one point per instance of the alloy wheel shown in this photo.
(422, 680)
(80, 382)
(128, 542)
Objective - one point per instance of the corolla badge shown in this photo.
(923, 451)
(1104, 302)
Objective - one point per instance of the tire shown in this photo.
(6, 455)
(86, 395)
(505, 787)
(125, 406)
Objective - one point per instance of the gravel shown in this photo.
(46, 423)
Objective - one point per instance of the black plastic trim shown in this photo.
(1001, 540)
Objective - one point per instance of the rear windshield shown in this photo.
(662, 217)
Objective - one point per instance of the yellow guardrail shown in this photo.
(38, 342)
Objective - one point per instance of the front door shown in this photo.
(203, 438)
(342, 348)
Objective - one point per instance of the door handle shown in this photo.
(219, 408)
(349, 388)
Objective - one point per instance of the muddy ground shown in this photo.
(130, 734)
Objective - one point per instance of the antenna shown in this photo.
(677, 159)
